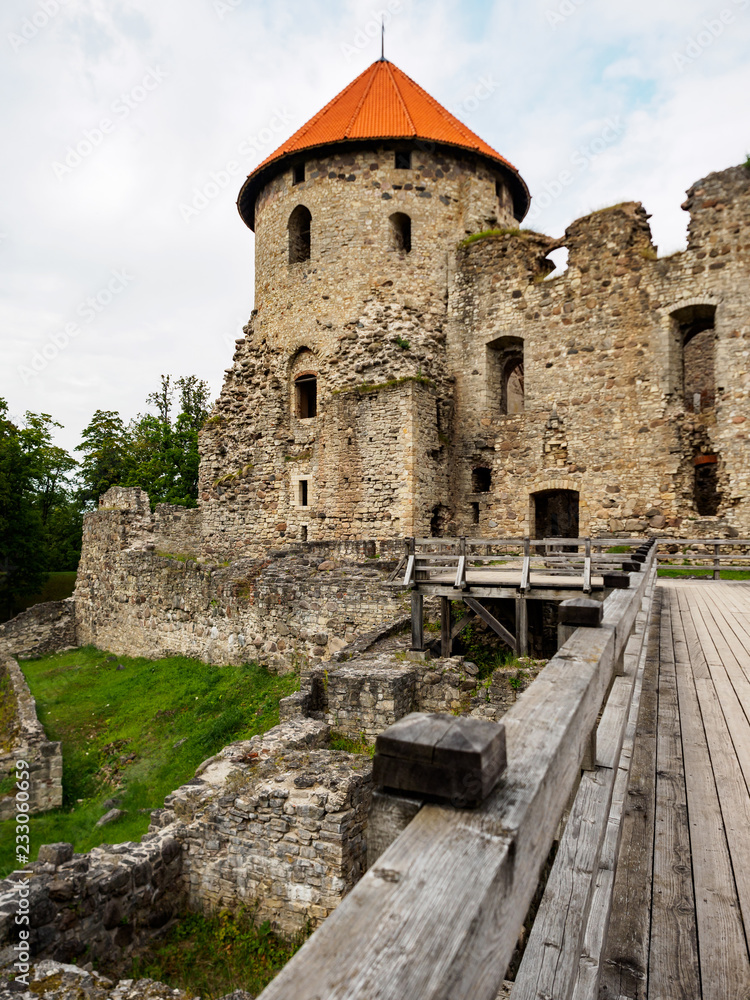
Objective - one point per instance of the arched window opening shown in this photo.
(481, 480)
(299, 234)
(706, 495)
(400, 232)
(505, 375)
(306, 395)
(695, 337)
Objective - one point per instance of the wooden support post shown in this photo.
(717, 562)
(526, 570)
(417, 621)
(522, 625)
(446, 637)
(587, 566)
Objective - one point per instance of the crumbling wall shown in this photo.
(276, 822)
(285, 608)
(23, 739)
(43, 628)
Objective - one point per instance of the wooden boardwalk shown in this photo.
(680, 919)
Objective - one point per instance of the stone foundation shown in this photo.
(23, 739)
(43, 628)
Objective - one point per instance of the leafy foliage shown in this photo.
(213, 955)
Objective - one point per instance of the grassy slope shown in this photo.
(685, 572)
(118, 729)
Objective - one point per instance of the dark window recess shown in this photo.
(298, 174)
(499, 189)
(481, 480)
(299, 234)
(475, 513)
(400, 224)
(403, 159)
(303, 493)
(306, 391)
(303, 533)
(706, 495)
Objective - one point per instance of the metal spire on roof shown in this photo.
(382, 39)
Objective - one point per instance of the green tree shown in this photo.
(107, 456)
(23, 566)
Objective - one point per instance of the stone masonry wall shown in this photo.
(102, 904)
(373, 691)
(23, 739)
(286, 608)
(277, 821)
(43, 628)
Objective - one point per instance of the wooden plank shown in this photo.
(673, 956)
(595, 936)
(551, 960)
(446, 636)
(721, 939)
(417, 621)
(624, 966)
(494, 624)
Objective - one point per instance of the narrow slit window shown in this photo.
(300, 222)
(303, 494)
(475, 513)
(306, 392)
(400, 224)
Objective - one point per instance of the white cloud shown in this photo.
(228, 72)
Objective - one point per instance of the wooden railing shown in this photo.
(428, 557)
(438, 915)
(715, 554)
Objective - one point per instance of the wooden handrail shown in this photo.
(438, 915)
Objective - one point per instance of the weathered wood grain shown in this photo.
(673, 953)
(721, 938)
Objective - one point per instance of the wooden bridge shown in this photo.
(627, 789)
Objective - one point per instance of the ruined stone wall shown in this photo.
(23, 739)
(604, 410)
(371, 692)
(284, 609)
(277, 821)
(101, 905)
(43, 628)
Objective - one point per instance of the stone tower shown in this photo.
(336, 416)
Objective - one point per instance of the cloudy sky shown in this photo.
(129, 125)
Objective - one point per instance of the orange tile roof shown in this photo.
(383, 103)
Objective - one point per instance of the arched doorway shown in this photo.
(556, 514)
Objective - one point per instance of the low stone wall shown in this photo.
(48, 980)
(23, 739)
(286, 608)
(372, 692)
(102, 904)
(276, 822)
(43, 628)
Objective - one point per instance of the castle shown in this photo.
(413, 367)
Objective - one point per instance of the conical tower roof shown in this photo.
(381, 103)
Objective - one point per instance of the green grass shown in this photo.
(118, 729)
(684, 572)
(218, 954)
(361, 745)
